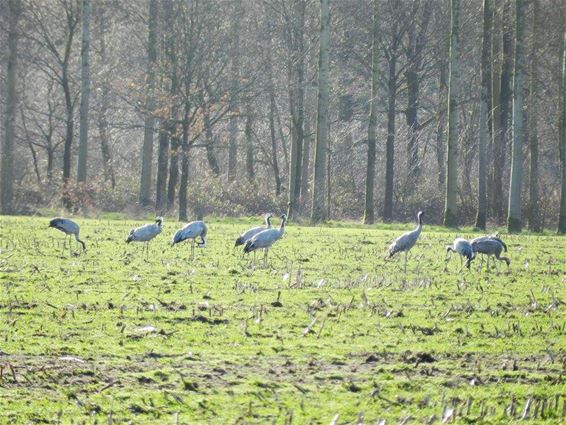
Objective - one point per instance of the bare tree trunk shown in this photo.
(296, 102)
(162, 159)
(514, 221)
(534, 213)
(250, 167)
(7, 184)
(441, 126)
(272, 109)
(562, 125)
(500, 141)
(307, 136)
(318, 213)
(235, 71)
(450, 210)
(104, 106)
(390, 143)
(85, 93)
(370, 170)
(184, 183)
(484, 116)
(149, 121)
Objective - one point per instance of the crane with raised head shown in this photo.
(265, 239)
(250, 233)
(406, 241)
(146, 233)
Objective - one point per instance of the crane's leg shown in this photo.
(406, 252)
(265, 252)
(193, 250)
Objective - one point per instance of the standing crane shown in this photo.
(490, 245)
(192, 231)
(250, 233)
(406, 241)
(464, 248)
(146, 233)
(69, 227)
(265, 239)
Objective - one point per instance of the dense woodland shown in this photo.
(328, 109)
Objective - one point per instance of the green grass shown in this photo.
(109, 336)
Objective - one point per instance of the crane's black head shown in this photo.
(420, 217)
(159, 220)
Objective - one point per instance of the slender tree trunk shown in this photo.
(441, 126)
(149, 121)
(370, 170)
(296, 103)
(235, 76)
(390, 143)
(307, 136)
(7, 184)
(184, 183)
(450, 210)
(69, 134)
(104, 107)
(484, 116)
(514, 221)
(250, 166)
(85, 94)
(162, 159)
(500, 146)
(562, 126)
(172, 124)
(534, 214)
(496, 61)
(210, 155)
(318, 213)
(272, 110)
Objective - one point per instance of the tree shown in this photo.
(370, 170)
(296, 70)
(149, 121)
(318, 212)
(450, 205)
(485, 95)
(234, 89)
(533, 208)
(514, 222)
(7, 186)
(85, 93)
(562, 125)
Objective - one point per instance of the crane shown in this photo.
(265, 239)
(192, 231)
(146, 233)
(69, 227)
(406, 241)
(464, 248)
(250, 233)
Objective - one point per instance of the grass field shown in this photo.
(328, 332)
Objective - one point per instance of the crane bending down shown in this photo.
(406, 241)
(490, 245)
(192, 231)
(69, 227)
(250, 233)
(146, 233)
(265, 239)
(464, 248)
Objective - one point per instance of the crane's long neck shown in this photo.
(282, 225)
(267, 222)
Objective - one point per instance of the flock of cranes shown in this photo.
(263, 237)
